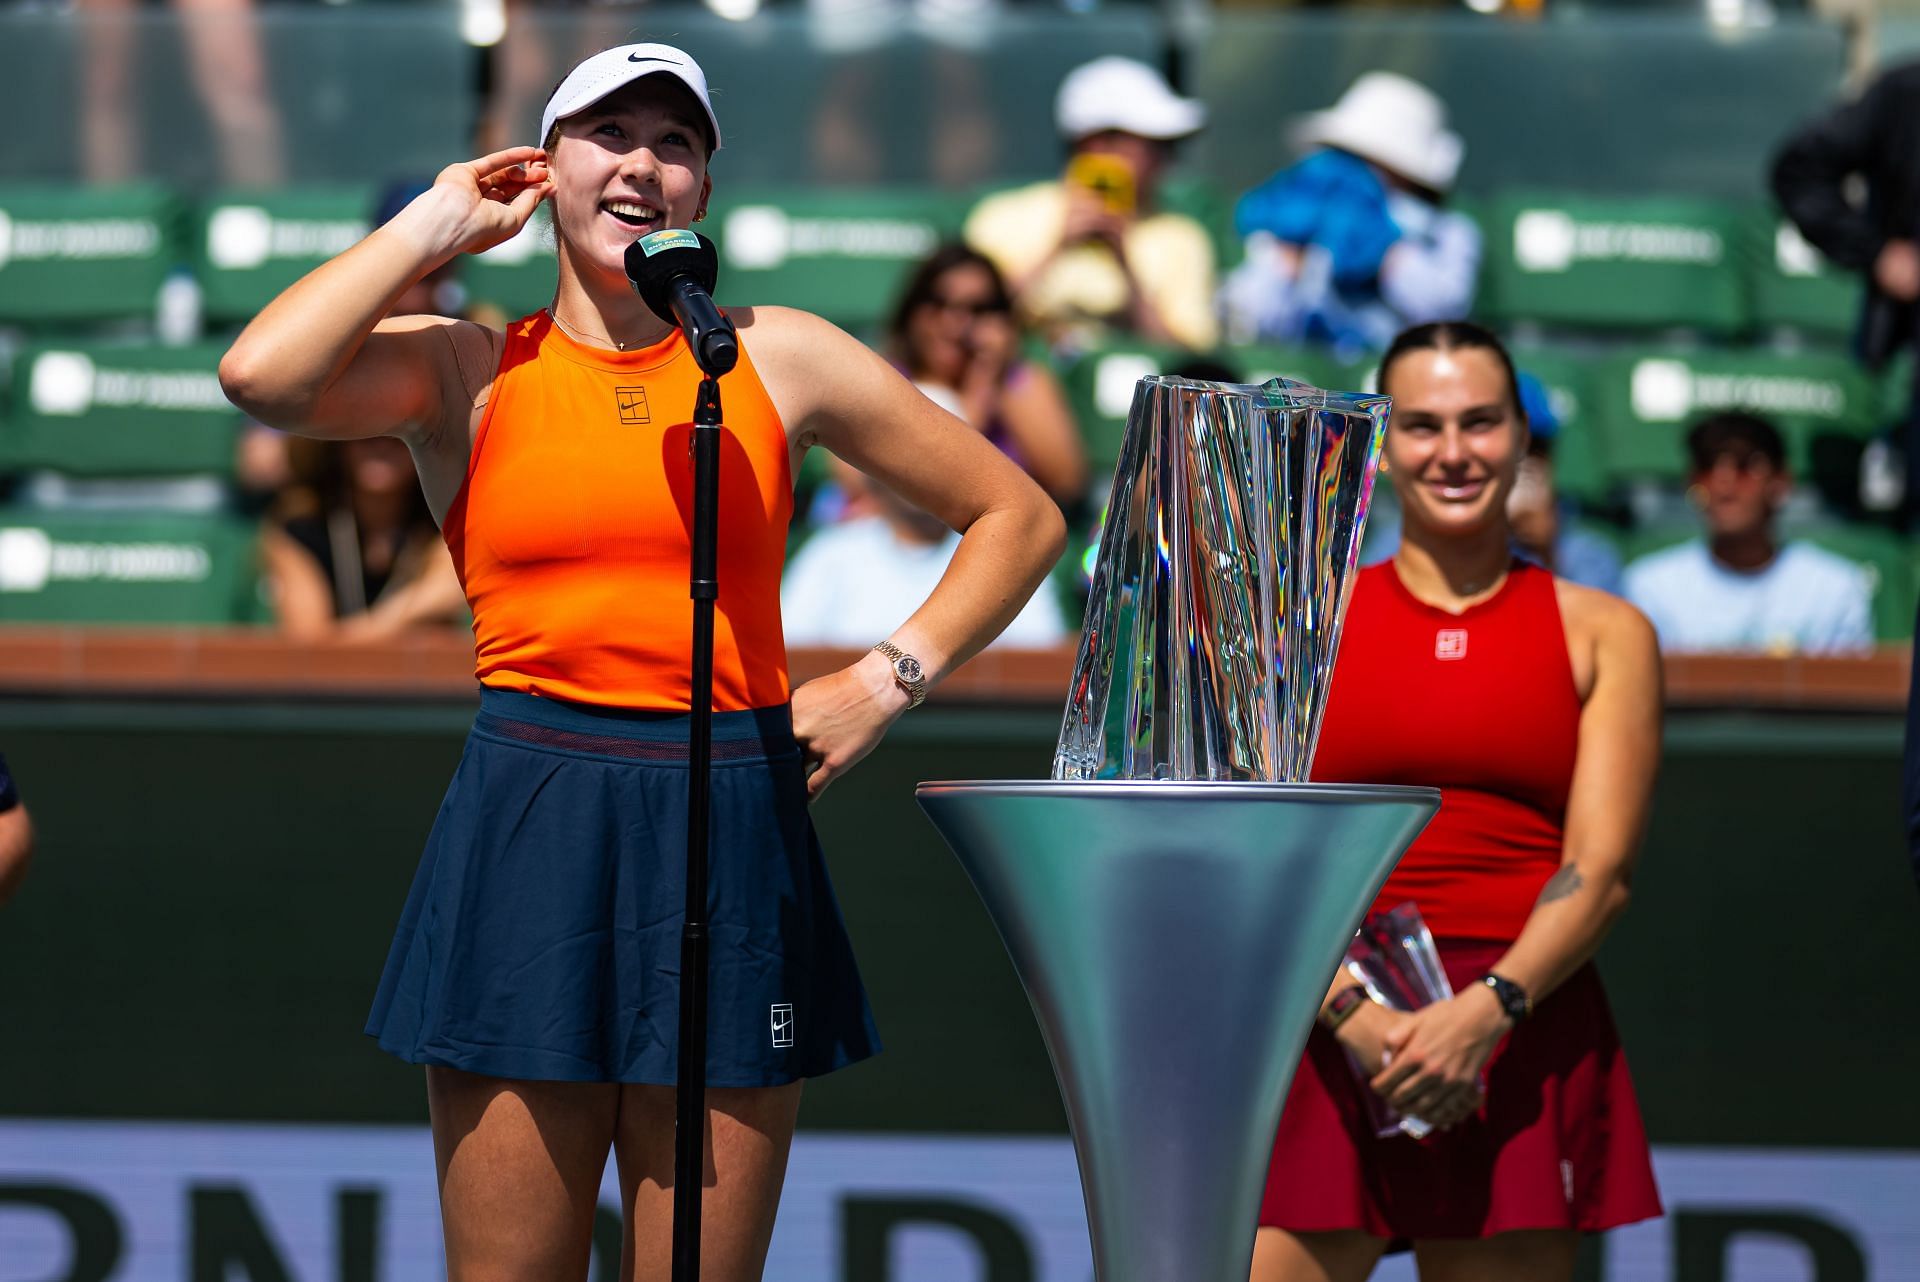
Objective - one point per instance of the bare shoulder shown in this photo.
(1606, 634)
(1601, 613)
(782, 334)
(810, 367)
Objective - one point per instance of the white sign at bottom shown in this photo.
(150, 1202)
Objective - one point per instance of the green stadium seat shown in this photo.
(1207, 204)
(517, 275)
(84, 253)
(1580, 465)
(1794, 287)
(1258, 363)
(248, 246)
(1099, 388)
(101, 410)
(1885, 556)
(58, 567)
(1615, 263)
(1647, 401)
(844, 254)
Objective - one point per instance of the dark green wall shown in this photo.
(217, 882)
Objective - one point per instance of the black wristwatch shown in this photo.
(1513, 998)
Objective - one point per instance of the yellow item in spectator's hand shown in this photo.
(1107, 177)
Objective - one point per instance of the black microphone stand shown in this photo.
(690, 1097)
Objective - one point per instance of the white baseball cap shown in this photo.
(1397, 123)
(1119, 93)
(616, 68)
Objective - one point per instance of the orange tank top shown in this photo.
(572, 531)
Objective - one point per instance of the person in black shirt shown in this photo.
(1850, 181)
(1874, 229)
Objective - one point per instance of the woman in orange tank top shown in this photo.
(1534, 704)
(530, 973)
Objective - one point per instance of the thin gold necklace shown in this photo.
(578, 337)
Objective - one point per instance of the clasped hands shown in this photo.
(1427, 1063)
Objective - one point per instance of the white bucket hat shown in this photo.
(1397, 123)
(616, 68)
(1119, 93)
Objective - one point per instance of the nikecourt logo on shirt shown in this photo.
(782, 1013)
(1450, 643)
(633, 405)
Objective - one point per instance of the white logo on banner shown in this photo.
(61, 383)
(756, 237)
(1543, 240)
(1113, 380)
(239, 237)
(1662, 391)
(26, 560)
(6, 237)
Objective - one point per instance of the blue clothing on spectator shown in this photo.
(1806, 601)
(1337, 257)
(1330, 199)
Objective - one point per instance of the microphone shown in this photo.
(673, 271)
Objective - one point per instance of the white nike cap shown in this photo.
(616, 68)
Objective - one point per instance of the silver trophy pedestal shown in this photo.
(1176, 940)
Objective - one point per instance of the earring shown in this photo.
(701, 216)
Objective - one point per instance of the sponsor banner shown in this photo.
(32, 559)
(147, 1202)
(77, 239)
(1553, 240)
(1664, 390)
(763, 237)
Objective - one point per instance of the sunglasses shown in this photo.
(975, 307)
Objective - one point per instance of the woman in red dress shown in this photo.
(1534, 705)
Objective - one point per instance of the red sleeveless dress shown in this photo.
(1483, 706)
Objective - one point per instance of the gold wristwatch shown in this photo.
(907, 673)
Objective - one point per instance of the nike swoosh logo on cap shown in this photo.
(634, 57)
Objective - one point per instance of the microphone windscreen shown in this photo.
(657, 260)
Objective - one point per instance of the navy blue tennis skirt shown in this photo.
(541, 939)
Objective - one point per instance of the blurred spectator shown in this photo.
(355, 555)
(16, 836)
(229, 72)
(1875, 232)
(1091, 255)
(262, 467)
(1352, 243)
(1739, 588)
(953, 328)
(849, 579)
(1542, 524)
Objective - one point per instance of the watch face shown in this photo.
(907, 668)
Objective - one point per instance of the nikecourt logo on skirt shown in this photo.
(782, 1023)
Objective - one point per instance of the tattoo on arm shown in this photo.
(1562, 885)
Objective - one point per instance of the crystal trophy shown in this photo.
(1392, 956)
(1175, 900)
